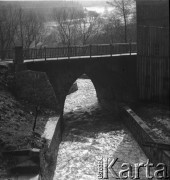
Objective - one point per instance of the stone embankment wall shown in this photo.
(141, 133)
(35, 88)
(48, 154)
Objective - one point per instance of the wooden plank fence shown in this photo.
(153, 64)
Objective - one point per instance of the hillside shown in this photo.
(16, 121)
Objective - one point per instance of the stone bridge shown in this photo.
(48, 82)
(114, 78)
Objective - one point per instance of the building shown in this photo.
(153, 50)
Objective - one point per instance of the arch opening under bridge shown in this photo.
(114, 78)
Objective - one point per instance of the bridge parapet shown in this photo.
(73, 51)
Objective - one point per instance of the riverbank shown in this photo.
(16, 123)
(91, 132)
(157, 118)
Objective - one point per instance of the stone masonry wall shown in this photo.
(36, 88)
(114, 78)
(141, 133)
(49, 152)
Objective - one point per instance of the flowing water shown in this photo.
(92, 133)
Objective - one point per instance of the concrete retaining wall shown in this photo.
(141, 133)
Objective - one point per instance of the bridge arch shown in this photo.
(79, 76)
(101, 78)
(73, 79)
(76, 80)
(114, 78)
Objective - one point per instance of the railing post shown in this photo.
(57, 50)
(18, 55)
(68, 54)
(35, 53)
(2, 55)
(130, 48)
(75, 50)
(90, 46)
(111, 49)
(45, 53)
(18, 60)
(97, 46)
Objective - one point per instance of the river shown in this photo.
(92, 133)
(100, 9)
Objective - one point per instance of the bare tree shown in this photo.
(8, 28)
(30, 27)
(124, 10)
(75, 26)
(113, 30)
(66, 23)
(88, 26)
(18, 27)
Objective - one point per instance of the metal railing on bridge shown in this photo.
(75, 51)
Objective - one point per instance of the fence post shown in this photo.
(90, 46)
(130, 48)
(68, 52)
(18, 60)
(35, 53)
(3, 54)
(57, 50)
(97, 53)
(111, 49)
(45, 53)
(18, 55)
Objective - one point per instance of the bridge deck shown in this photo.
(74, 57)
(79, 57)
(69, 52)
